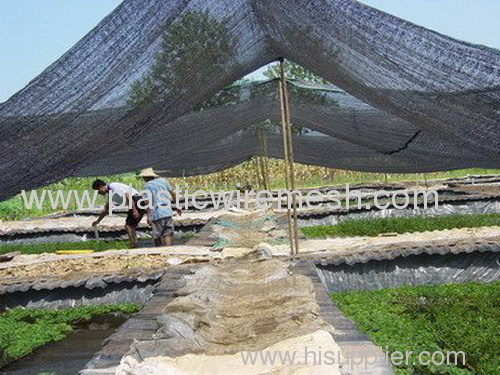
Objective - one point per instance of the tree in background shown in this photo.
(197, 38)
(293, 71)
(298, 72)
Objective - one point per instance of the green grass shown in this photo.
(306, 177)
(53, 247)
(452, 317)
(14, 208)
(374, 227)
(96, 245)
(23, 330)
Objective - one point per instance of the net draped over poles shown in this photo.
(146, 88)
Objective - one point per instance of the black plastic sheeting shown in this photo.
(76, 296)
(478, 207)
(411, 270)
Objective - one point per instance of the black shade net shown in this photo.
(146, 88)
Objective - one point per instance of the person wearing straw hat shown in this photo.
(158, 206)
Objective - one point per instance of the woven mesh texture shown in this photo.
(143, 88)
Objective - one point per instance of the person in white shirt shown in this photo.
(121, 196)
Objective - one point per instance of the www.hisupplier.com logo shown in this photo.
(363, 359)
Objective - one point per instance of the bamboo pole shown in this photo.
(290, 159)
(261, 167)
(286, 156)
(263, 154)
(257, 171)
(266, 157)
(260, 164)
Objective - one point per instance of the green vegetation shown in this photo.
(186, 40)
(293, 71)
(452, 317)
(374, 227)
(39, 248)
(96, 245)
(23, 330)
(306, 176)
(15, 209)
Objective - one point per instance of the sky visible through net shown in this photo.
(146, 88)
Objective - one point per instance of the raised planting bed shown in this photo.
(51, 292)
(79, 229)
(440, 318)
(483, 265)
(377, 226)
(465, 204)
(94, 245)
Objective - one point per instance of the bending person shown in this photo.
(121, 195)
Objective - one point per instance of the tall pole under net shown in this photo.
(289, 160)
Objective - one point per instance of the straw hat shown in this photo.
(148, 172)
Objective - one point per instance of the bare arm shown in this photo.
(102, 215)
(148, 210)
(174, 199)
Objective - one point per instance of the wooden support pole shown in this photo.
(257, 171)
(263, 157)
(260, 163)
(266, 155)
(289, 161)
(287, 171)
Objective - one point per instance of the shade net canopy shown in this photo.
(146, 88)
